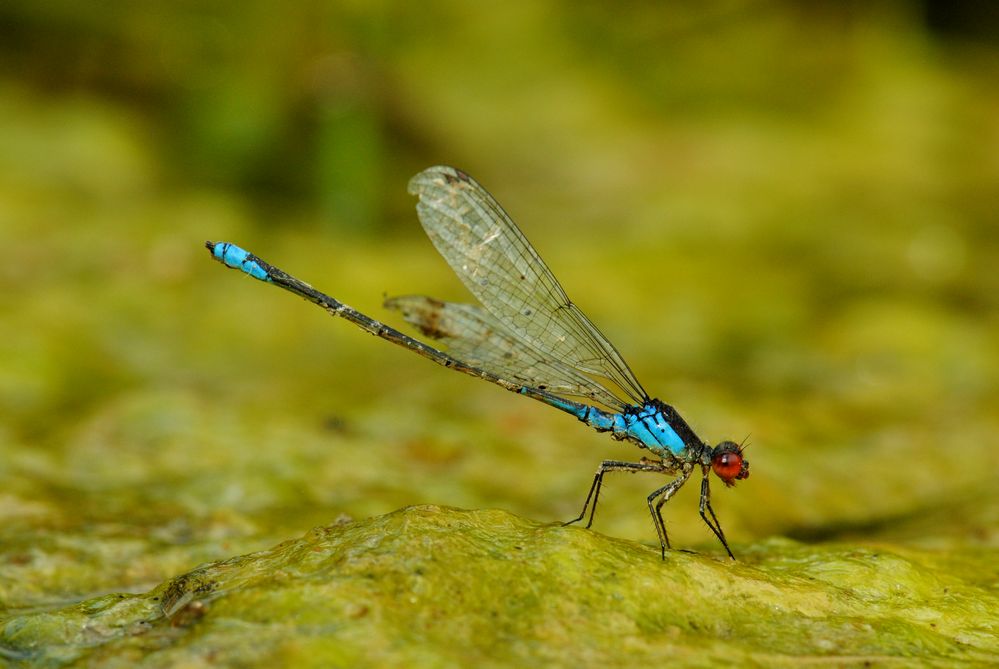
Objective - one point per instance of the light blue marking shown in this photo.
(238, 258)
(565, 405)
(601, 421)
(650, 427)
(575, 408)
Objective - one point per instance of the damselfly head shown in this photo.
(728, 463)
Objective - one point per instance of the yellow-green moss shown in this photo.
(436, 586)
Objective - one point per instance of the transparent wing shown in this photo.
(500, 267)
(475, 337)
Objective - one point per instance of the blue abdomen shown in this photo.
(237, 258)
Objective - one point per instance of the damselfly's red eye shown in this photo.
(728, 463)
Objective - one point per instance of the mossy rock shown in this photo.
(436, 586)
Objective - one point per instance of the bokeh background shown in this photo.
(783, 214)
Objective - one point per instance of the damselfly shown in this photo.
(528, 337)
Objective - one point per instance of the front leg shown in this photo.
(612, 466)
(706, 506)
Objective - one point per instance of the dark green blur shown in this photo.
(783, 214)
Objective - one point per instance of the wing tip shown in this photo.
(436, 176)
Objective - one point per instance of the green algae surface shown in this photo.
(438, 586)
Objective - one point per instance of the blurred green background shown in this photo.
(783, 214)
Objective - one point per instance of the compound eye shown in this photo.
(728, 463)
